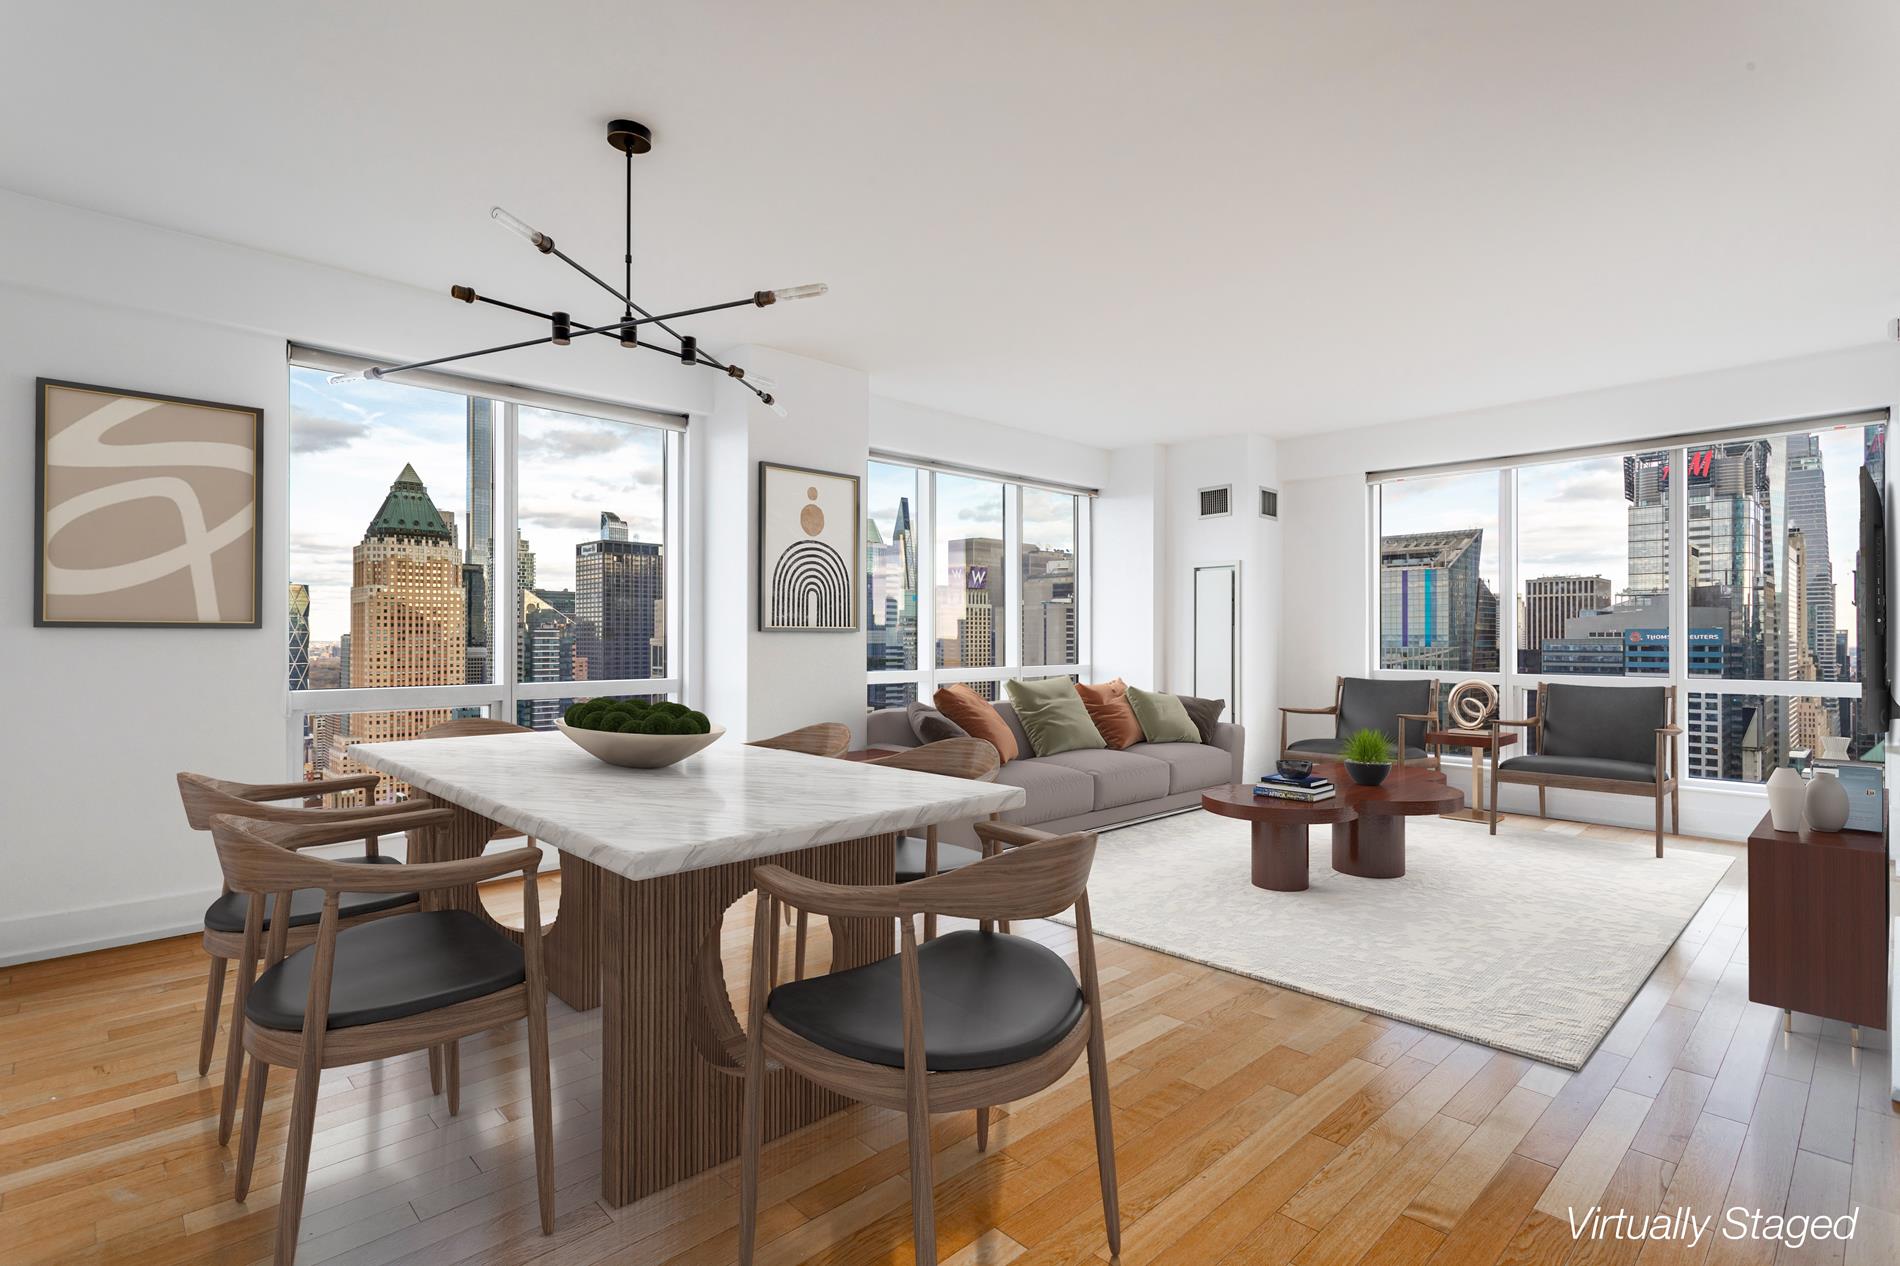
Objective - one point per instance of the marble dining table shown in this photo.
(650, 862)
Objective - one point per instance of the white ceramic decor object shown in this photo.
(639, 751)
(1834, 747)
(1786, 792)
(1827, 802)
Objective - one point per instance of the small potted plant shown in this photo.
(1368, 757)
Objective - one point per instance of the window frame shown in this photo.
(927, 677)
(1513, 684)
(504, 691)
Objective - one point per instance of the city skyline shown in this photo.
(571, 469)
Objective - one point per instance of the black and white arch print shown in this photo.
(811, 588)
(808, 550)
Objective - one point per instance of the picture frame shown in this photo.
(194, 495)
(810, 564)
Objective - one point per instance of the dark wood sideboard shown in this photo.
(1817, 923)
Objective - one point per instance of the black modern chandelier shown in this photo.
(629, 138)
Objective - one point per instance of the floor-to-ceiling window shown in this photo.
(970, 578)
(1723, 564)
(460, 551)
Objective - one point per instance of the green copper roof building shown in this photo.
(408, 512)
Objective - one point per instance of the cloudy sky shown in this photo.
(1573, 520)
(349, 442)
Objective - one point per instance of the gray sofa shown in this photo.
(1079, 791)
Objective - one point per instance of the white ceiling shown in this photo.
(1109, 221)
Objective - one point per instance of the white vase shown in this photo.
(1826, 803)
(1786, 791)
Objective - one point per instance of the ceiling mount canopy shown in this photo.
(630, 138)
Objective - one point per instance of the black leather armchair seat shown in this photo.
(1581, 767)
(1333, 746)
(227, 913)
(1616, 739)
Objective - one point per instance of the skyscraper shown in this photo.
(970, 605)
(890, 609)
(300, 637)
(1806, 491)
(1429, 600)
(548, 650)
(407, 612)
(612, 526)
(524, 564)
(618, 585)
(1049, 632)
(1551, 602)
(481, 482)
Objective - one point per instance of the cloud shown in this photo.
(315, 433)
(573, 441)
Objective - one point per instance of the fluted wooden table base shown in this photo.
(647, 951)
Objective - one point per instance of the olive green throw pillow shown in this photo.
(1053, 716)
(1163, 717)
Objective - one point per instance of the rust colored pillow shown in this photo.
(1108, 708)
(973, 712)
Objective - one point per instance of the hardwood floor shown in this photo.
(1253, 1126)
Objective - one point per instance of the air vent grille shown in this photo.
(1269, 504)
(1216, 502)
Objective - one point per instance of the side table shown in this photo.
(1478, 743)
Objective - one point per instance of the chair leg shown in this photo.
(541, 1103)
(452, 1073)
(234, 1056)
(435, 1070)
(1104, 1133)
(923, 1213)
(1542, 809)
(930, 868)
(1675, 811)
(982, 1129)
(214, 998)
(1659, 830)
(752, 1122)
(253, 1118)
(798, 958)
(1494, 802)
(303, 1118)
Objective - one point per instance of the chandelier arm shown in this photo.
(582, 269)
(664, 317)
(443, 360)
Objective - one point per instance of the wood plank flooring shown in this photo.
(1254, 1127)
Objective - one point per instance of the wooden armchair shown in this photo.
(867, 1032)
(1401, 708)
(1615, 739)
(827, 738)
(335, 1003)
(228, 916)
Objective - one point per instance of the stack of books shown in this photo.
(1280, 787)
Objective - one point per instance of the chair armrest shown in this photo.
(1668, 731)
(1311, 712)
(428, 876)
(1529, 723)
(818, 897)
(1009, 835)
(293, 835)
(264, 792)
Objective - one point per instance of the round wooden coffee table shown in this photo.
(1372, 843)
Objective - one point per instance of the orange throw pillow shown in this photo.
(978, 718)
(1109, 708)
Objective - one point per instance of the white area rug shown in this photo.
(1528, 942)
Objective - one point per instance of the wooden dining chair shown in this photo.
(405, 983)
(975, 759)
(226, 918)
(1004, 1016)
(827, 738)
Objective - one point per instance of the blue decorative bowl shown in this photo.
(1294, 768)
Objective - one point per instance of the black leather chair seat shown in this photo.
(910, 858)
(227, 913)
(989, 1000)
(1333, 746)
(1580, 767)
(403, 965)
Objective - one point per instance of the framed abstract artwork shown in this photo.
(808, 550)
(146, 510)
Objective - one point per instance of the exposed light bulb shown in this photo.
(367, 375)
(515, 224)
(771, 402)
(790, 293)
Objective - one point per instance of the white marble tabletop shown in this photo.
(728, 803)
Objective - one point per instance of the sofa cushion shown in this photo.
(1053, 715)
(931, 725)
(1191, 766)
(1205, 713)
(1163, 719)
(1120, 777)
(1107, 703)
(1324, 747)
(1051, 791)
(1581, 767)
(979, 719)
(1616, 723)
(1368, 703)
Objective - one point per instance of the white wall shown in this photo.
(1324, 509)
(915, 430)
(1130, 563)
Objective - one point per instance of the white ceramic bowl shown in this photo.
(639, 751)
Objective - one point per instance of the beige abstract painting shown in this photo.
(147, 509)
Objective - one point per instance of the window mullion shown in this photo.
(507, 569)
